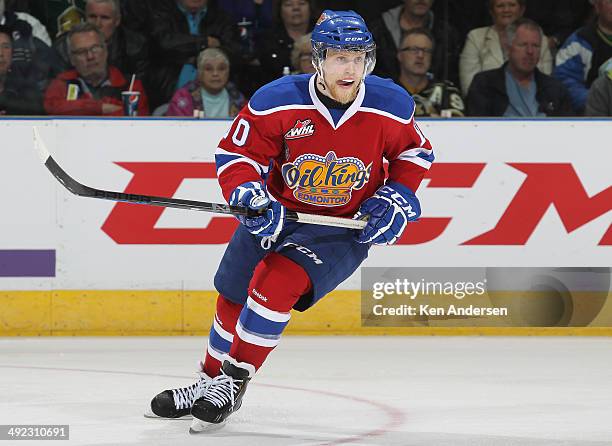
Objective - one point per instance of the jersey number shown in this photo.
(420, 133)
(241, 133)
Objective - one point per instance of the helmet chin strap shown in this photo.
(321, 77)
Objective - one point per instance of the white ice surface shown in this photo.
(432, 391)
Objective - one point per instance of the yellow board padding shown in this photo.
(117, 311)
(25, 312)
(178, 312)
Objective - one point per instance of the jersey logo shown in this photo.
(301, 129)
(259, 295)
(311, 255)
(325, 181)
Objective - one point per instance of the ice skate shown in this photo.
(222, 397)
(177, 403)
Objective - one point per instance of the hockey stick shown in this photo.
(85, 191)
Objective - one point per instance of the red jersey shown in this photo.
(314, 163)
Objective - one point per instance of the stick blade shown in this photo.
(60, 174)
(40, 146)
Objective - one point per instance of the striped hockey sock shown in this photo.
(221, 335)
(276, 286)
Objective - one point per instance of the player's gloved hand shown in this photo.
(253, 196)
(389, 210)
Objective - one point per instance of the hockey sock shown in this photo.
(221, 334)
(276, 286)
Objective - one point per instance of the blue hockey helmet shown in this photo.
(342, 30)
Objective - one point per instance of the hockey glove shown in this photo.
(253, 196)
(388, 211)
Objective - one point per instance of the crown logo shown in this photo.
(325, 181)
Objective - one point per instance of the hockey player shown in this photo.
(311, 143)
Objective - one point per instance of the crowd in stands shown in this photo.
(205, 58)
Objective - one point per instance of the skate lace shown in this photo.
(223, 389)
(185, 396)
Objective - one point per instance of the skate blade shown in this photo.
(149, 414)
(202, 427)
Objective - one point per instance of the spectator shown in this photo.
(583, 52)
(92, 87)
(431, 97)
(180, 31)
(212, 95)
(127, 50)
(33, 63)
(293, 19)
(486, 48)
(301, 55)
(518, 88)
(15, 97)
(389, 30)
(599, 100)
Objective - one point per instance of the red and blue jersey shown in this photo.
(314, 163)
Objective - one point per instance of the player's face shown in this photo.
(6, 53)
(415, 55)
(214, 75)
(524, 52)
(504, 12)
(104, 16)
(343, 72)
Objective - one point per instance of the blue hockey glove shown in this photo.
(388, 210)
(252, 195)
